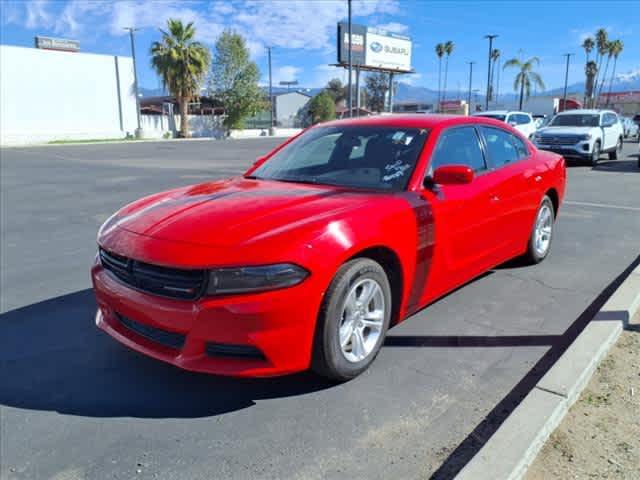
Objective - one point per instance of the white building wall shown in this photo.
(50, 95)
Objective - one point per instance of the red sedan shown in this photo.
(307, 259)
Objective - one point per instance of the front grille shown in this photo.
(168, 282)
(559, 139)
(230, 350)
(163, 337)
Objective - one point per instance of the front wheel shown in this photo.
(542, 233)
(617, 152)
(595, 154)
(353, 320)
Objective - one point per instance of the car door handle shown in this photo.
(537, 178)
(494, 198)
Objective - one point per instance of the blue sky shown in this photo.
(302, 32)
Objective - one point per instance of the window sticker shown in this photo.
(395, 170)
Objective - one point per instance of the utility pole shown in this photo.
(132, 31)
(349, 96)
(490, 37)
(270, 94)
(566, 80)
(470, 82)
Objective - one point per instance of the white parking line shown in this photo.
(602, 205)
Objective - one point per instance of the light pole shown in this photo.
(566, 79)
(470, 82)
(135, 77)
(490, 37)
(270, 94)
(349, 95)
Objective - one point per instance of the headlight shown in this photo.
(537, 137)
(224, 281)
(586, 136)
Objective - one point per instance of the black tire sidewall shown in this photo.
(330, 361)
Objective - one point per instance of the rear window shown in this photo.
(495, 117)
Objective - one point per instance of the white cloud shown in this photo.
(411, 79)
(37, 15)
(286, 73)
(394, 27)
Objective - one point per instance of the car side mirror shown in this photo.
(513, 123)
(453, 175)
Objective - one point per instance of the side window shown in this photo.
(458, 146)
(524, 119)
(500, 146)
(521, 148)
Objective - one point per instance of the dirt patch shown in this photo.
(600, 436)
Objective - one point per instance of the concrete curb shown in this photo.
(512, 448)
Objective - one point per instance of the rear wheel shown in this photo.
(353, 320)
(542, 233)
(617, 152)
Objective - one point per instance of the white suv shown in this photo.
(521, 121)
(582, 133)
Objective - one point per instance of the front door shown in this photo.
(464, 216)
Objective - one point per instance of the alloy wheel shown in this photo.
(362, 320)
(544, 226)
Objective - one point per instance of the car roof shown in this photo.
(585, 111)
(498, 112)
(413, 120)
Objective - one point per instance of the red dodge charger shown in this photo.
(307, 259)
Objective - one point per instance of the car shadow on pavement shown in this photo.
(465, 451)
(53, 357)
(617, 166)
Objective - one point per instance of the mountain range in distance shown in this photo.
(415, 93)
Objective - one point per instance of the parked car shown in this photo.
(521, 121)
(583, 134)
(540, 121)
(309, 257)
(636, 119)
(631, 129)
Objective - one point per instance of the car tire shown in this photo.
(595, 153)
(614, 154)
(542, 232)
(343, 347)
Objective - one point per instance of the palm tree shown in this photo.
(495, 55)
(182, 64)
(609, 53)
(525, 77)
(602, 38)
(448, 49)
(588, 45)
(590, 71)
(618, 46)
(440, 51)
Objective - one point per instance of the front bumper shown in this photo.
(581, 149)
(261, 334)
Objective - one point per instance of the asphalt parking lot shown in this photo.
(75, 404)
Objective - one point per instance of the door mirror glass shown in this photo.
(453, 175)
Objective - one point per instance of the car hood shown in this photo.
(565, 130)
(232, 212)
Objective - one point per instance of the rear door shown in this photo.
(518, 190)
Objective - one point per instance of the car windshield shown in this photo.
(380, 157)
(576, 120)
(495, 116)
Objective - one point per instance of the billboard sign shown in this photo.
(358, 34)
(374, 48)
(63, 44)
